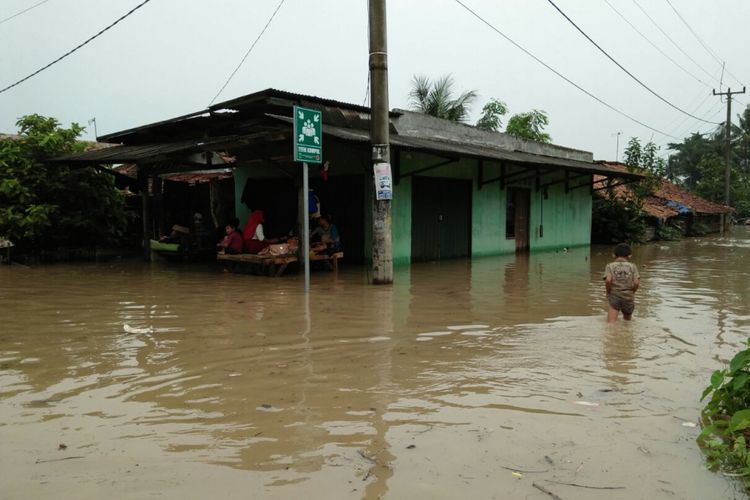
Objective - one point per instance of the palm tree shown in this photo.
(437, 99)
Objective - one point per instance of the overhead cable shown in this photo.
(655, 46)
(672, 40)
(23, 11)
(528, 53)
(700, 40)
(631, 75)
(247, 53)
(131, 11)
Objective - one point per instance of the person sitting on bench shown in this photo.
(327, 237)
(253, 237)
(232, 243)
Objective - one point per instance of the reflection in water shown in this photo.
(419, 390)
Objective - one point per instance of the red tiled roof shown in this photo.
(656, 205)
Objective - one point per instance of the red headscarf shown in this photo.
(256, 217)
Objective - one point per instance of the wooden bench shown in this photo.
(272, 265)
(275, 265)
(331, 261)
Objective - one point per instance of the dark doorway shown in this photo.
(441, 218)
(342, 197)
(278, 200)
(517, 217)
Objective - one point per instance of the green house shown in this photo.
(458, 191)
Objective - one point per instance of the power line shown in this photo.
(672, 40)
(528, 53)
(247, 53)
(23, 11)
(700, 40)
(631, 75)
(654, 45)
(75, 48)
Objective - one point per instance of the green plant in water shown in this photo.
(668, 233)
(726, 418)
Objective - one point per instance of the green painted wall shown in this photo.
(401, 222)
(566, 216)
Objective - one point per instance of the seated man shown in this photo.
(327, 237)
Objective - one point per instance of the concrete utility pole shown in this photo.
(382, 244)
(728, 145)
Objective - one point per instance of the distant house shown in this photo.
(458, 191)
(670, 204)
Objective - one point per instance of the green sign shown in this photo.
(308, 135)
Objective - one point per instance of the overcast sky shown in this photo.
(172, 56)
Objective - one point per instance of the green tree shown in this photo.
(492, 112)
(683, 164)
(529, 126)
(645, 160)
(438, 99)
(44, 205)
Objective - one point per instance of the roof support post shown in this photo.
(145, 213)
(480, 174)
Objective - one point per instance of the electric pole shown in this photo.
(382, 244)
(728, 145)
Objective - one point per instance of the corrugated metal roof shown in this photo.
(147, 152)
(474, 151)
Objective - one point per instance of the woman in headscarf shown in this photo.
(252, 235)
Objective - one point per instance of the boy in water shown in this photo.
(621, 279)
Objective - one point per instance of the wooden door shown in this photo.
(522, 204)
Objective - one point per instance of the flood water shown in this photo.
(463, 380)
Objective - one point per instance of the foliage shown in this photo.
(616, 220)
(437, 98)
(699, 164)
(44, 205)
(668, 233)
(529, 126)
(698, 229)
(726, 418)
(491, 115)
(644, 160)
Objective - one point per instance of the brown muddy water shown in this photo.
(463, 380)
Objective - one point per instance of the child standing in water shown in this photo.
(621, 280)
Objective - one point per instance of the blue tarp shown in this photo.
(681, 209)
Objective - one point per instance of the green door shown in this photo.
(441, 218)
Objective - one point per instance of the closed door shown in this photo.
(517, 217)
(441, 218)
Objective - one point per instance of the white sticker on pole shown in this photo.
(383, 181)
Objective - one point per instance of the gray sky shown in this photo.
(172, 56)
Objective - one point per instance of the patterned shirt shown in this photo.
(623, 275)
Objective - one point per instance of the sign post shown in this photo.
(308, 148)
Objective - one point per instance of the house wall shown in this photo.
(566, 217)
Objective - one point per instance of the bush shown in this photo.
(698, 229)
(726, 418)
(668, 233)
(45, 205)
(617, 221)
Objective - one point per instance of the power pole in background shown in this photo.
(728, 145)
(382, 244)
